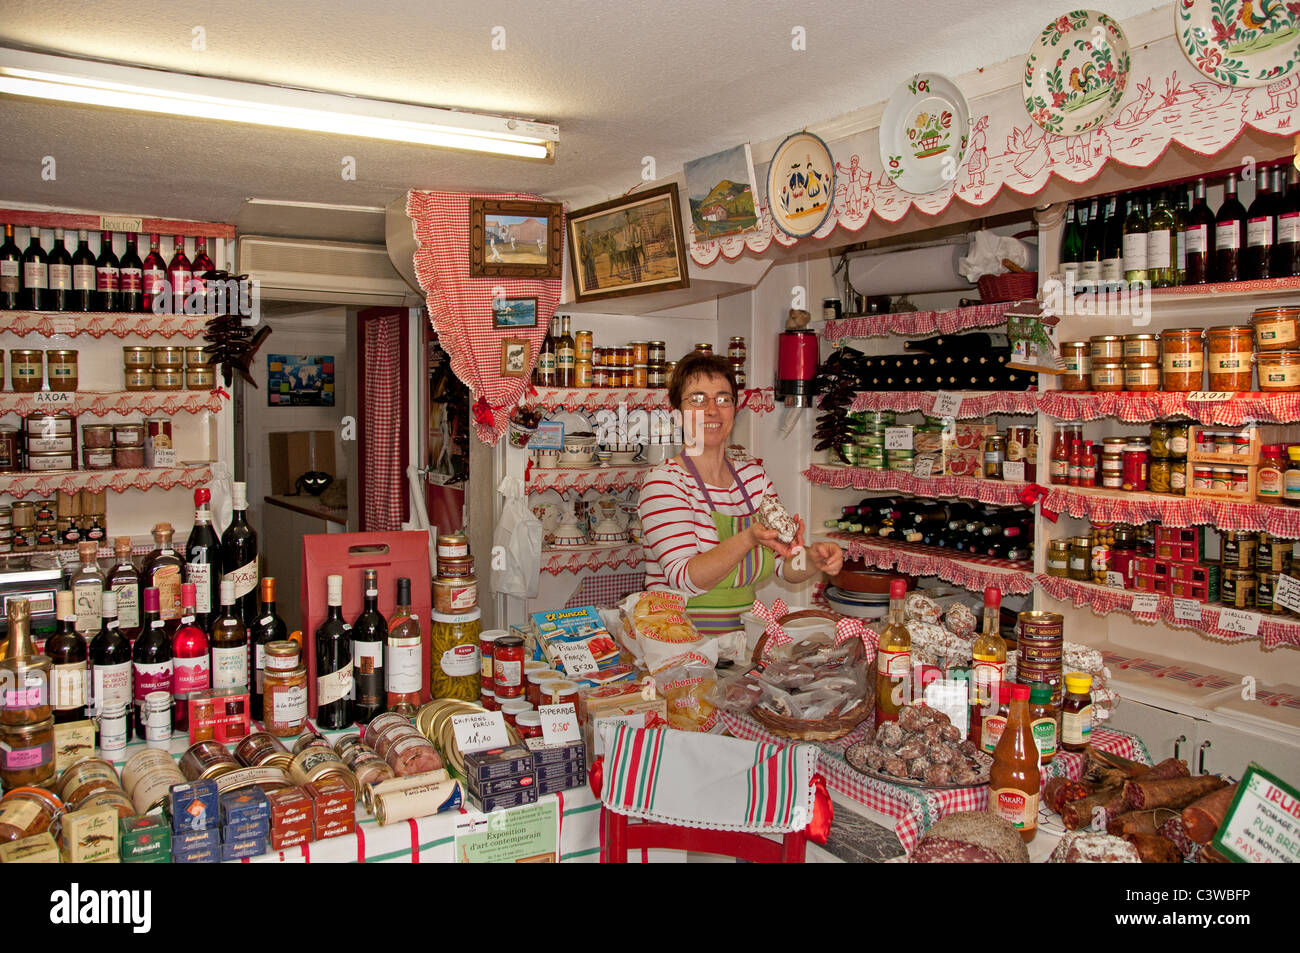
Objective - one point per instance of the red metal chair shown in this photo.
(618, 836)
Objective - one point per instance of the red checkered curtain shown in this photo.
(460, 307)
(383, 503)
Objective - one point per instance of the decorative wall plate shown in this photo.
(1240, 42)
(1076, 73)
(801, 184)
(923, 133)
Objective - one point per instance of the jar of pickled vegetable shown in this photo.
(1159, 476)
(1160, 437)
(1081, 558)
(454, 655)
(1058, 558)
(1178, 435)
(1178, 477)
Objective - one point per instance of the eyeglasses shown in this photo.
(699, 400)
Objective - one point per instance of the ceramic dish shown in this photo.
(1240, 42)
(854, 756)
(801, 184)
(1076, 73)
(923, 133)
(609, 539)
(622, 458)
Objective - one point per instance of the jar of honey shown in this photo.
(1231, 350)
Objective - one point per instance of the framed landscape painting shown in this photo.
(628, 246)
(511, 239)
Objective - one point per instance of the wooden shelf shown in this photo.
(992, 492)
(1238, 410)
(97, 324)
(101, 403)
(119, 481)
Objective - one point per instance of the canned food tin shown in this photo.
(1041, 626)
(370, 734)
(50, 462)
(315, 763)
(147, 775)
(86, 777)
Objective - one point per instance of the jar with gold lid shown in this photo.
(139, 378)
(1276, 328)
(1081, 558)
(1058, 558)
(169, 378)
(27, 754)
(1142, 377)
(1231, 351)
(137, 356)
(1107, 347)
(26, 370)
(200, 377)
(1107, 376)
(1078, 366)
(285, 705)
(168, 356)
(1141, 348)
(61, 369)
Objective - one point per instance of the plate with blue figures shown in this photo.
(1240, 42)
(1076, 73)
(801, 184)
(923, 133)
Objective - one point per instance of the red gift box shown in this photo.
(290, 807)
(291, 837)
(336, 829)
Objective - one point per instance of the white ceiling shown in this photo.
(673, 80)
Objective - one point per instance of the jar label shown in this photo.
(190, 675)
(1191, 362)
(1076, 726)
(1016, 806)
(460, 660)
(289, 705)
(229, 667)
(17, 758)
(19, 813)
(894, 664)
(69, 688)
(1044, 731)
(1229, 362)
(507, 674)
(33, 693)
(991, 730)
(404, 663)
(1278, 376)
(334, 686)
(111, 686)
(1275, 332)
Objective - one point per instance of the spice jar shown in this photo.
(1141, 348)
(27, 811)
(1081, 558)
(284, 705)
(1107, 376)
(1106, 347)
(27, 754)
(1058, 558)
(1142, 377)
(1279, 371)
(1136, 461)
(61, 369)
(1078, 365)
(1231, 350)
(508, 667)
(1183, 364)
(1237, 589)
(1076, 712)
(454, 655)
(26, 370)
(1276, 329)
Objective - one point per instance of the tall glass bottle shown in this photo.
(1071, 248)
(239, 556)
(402, 663)
(1135, 240)
(566, 355)
(191, 668)
(25, 674)
(1229, 229)
(1112, 266)
(1162, 268)
(180, 274)
(1198, 238)
(124, 581)
(1014, 778)
(1094, 247)
(988, 654)
(130, 295)
(229, 642)
(59, 264)
(544, 372)
(203, 560)
(110, 666)
(36, 275)
(202, 265)
(87, 585)
(893, 657)
(154, 273)
(151, 658)
(334, 686)
(1261, 230)
(369, 634)
(11, 272)
(67, 651)
(1179, 207)
(268, 628)
(1286, 253)
(83, 274)
(108, 278)
(162, 570)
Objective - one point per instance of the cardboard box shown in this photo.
(204, 855)
(73, 740)
(331, 801)
(237, 832)
(483, 789)
(89, 836)
(248, 847)
(193, 806)
(963, 449)
(219, 714)
(37, 849)
(290, 807)
(581, 625)
(622, 698)
(496, 763)
(143, 839)
(336, 829)
(292, 454)
(241, 807)
(282, 838)
(183, 842)
(500, 802)
(550, 772)
(573, 752)
(565, 782)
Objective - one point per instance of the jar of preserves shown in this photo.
(1141, 348)
(1237, 589)
(26, 370)
(640, 352)
(529, 724)
(207, 760)
(455, 595)
(196, 354)
(599, 375)
(1231, 350)
(1276, 329)
(641, 376)
(995, 453)
(128, 458)
(27, 754)
(655, 376)
(139, 378)
(455, 567)
(284, 705)
(455, 663)
(1081, 558)
(1279, 371)
(1058, 558)
(703, 347)
(1221, 479)
(1143, 377)
(61, 369)
(1159, 476)
(656, 352)
(27, 811)
(582, 374)
(1078, 365)
(1178, 477)
(168, 356)
(1273, 554)
(137, 356)
(262, 748)
(1238, 550)
(169, 378)
(1136, 463)
(1107, 376)
(583, 350)
(200, 377)
(1076, 712)
(1183, 364)
(508, 667)
(1203, 479)
(738, 373)
(1106, 347)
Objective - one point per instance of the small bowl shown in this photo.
(603, 457)
(545, 459)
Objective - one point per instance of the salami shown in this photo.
(1176, 832)
(1167, 770)
(1173, 793)
(1077, 815)
(1203, 818)
(1134, 822)
(1061, 791)
(1154, 849)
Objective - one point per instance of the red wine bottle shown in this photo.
(67, 651)
(110, 664)
(1229, 225)
(83, 274)
(369, 635)
(1286, 254)
(60, 271)
(179, 276)
(130, 296)
(239, 556)
(11, 272)
(155, 273)
(202, 265)
(36, 275)
(1257, 256)
(1198, 239)
(190, 665)
(203, 560)
(334, 685)
(107, 277)
(151, 658)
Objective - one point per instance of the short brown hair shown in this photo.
(695, 365)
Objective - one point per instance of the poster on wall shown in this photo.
(300, 380)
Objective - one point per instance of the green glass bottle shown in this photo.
(1135, 241)
(1162, 270)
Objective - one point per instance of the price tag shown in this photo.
(1286, 593)
(1013, 470)
(1147, 602)
(46, 397)
(559, 724)
(898, 438)
(1234, 620)
(1187, 610)
(64, 326)
(479, 730)
(923, 469)
(1209, 396)
(946, 404)
(1114, 579)
(577, 660)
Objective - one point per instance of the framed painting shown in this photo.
(628, 246)
(514, 312)
(514, 357)
(513, 239)
(723, 193)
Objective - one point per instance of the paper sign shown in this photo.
(64, 326)
(1187, 610)
(559, 724)
(549, 436)
(1114, 579)
(46, 397)
(1263, 824)
(117, 224)
(1147, 602)
(480, 730)
(1013, 470)
(946, 404)
(577, 660)
(923, 469)
(1234, 620)
(1209, 396)
(1287, 593)
(898, 438)
(529, 833)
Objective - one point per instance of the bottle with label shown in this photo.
(1043, 721)
(993, 721)
(229, 641)
(1261, 230)
(268, 628)
(1112, 265)
(130, 290)
(154, 274)
(203, 560)
(67, 651)
(1286, 253)
(239, 555)
(191, 668)
(60, 275)
(1071, 247)
(544, 373)
(1180, 208)
(1094, 247)
(1162, 268)
(1198, 239)
(1291, 479)
(11, 271)
(894, 657)
(87, 585)
(1272, 469)
(151, 658)
(1076, 712)
(566, 356)
(1059, 462)
(162, 571)
(107, 276)
(83, 275)
(1229, 226)
(179, 276)
(124, 581)
(334, 662)
(36, 275)
(989, 650)
(1135, 241)
(1014, 778)
(202, 265)
(369, 633)
(110, 666)
(403, 662)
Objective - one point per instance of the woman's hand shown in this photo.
(762, 536)
(827, 557)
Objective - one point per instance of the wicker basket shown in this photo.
(1012, 286)
(822, 729)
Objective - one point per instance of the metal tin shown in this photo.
(43, 424)
(370, 734)
(50, 462)
(262, 748)
(207, 759)
(147, 777)
(1038, 626)
(311, 740)
(455, 566)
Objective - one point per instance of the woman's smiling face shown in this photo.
(708, 426)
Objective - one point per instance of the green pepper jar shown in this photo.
(1161, 436)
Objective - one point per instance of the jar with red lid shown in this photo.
(1136, 460)
(508, 667)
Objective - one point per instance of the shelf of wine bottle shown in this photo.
(100, 403)
(1234, 410)
(968, 570)
(917, 322)
(97, 324)
(1107, 506)
(994, 492)
(118, 481)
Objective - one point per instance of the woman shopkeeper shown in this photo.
(698, 509)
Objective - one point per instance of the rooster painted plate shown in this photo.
(1076, 73)
(923, 133)
(1240, 42)
(801, 185)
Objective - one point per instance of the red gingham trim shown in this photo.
(758, 400)
(148, 403)
(975, 573)
(918, 322)
(361, 844)
(1130, 407)
(1178, 511)
(415, 840)
(994, 492)
(972, 405)
(385, 481)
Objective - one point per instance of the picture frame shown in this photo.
(515, 239)
(628, 246)
(516, 354)
(514, 313)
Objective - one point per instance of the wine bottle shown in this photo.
(989, 650)
(67, 651)
(162, 570)
(203, 560)
(268, 628)
(565, 357)
(239, 556)
(130, 294)
(334, 687)
(1112, 266)
(1229, 224)
(403, 663)
(202, 265)
(59, 264)
(369, 633)
(1162, 269)
(1135, 241)
(229, 641)
(87, 590)
(191, 668)
(83, 274)
(1179, 208)
(1286, 253)
(1257, 256)
(11, 270)
(1071, 248)
(151, 658)
(894, 656)
(110, 666)
(154, 273)
(545, 370)
(1094, 247)
(124, 582)
(36, 275)
(179, 276)
(1198, 239)
(107, 276)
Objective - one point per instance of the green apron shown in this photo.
(718, 610)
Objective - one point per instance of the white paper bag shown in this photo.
(516, 544)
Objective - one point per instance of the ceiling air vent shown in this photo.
(330, 272)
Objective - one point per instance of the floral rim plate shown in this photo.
(1076, 73)
(1240, 42)
(853, 755)
(923, 133)
(801, 184)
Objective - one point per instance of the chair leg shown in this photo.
(615, 828)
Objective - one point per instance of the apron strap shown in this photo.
(708, 497)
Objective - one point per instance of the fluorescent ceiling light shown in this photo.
(178, 94)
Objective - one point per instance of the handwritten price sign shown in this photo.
(924, 469)
(480, 730)
(577, 660)
(559, 724)
(1187, 610)
(898, 438)
(1234, 620)
(1145, 604)
(1013, 471)
(1287, 593)
(946, 404)
(45, 398)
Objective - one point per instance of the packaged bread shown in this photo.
(665, 635)
(686, 690)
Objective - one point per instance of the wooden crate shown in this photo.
(1231, 496)
(1250, 458)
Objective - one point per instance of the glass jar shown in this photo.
(1076, 712)
(641, 376)
(1178, 440)
(1160, 436)
(1159, 476)
(1231, 351)
(1276, 329)
(169, 378)
(1222, 479)
(454, 658)
(1107, 376)
(1103, 540)
(1237, 589)
(1136, 462)
(656, 352)
(640, 352)
(1203, 478)
(139, 378)
(1237, 550)
(1141, 348)
(284, 705)
(582, 342)
(1142, 378)
(1273, 554)
(26, 370)
(582, 373)
(508, 667)
(1279, 371)
(27, 754)
(207, 760)
(96, 436)
(61, 369)
(1178, 477)
(1078, 365)
(137, 357)
(168, 356)
(1058, 558)
(1081, 558)
(455, 595)
(27, 811)
(1183, 365)
(1272, 466)
(200, 377)
(995, 452)
(1265, 586)
(1106, 347)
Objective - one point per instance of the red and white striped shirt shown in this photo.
(676, 523)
